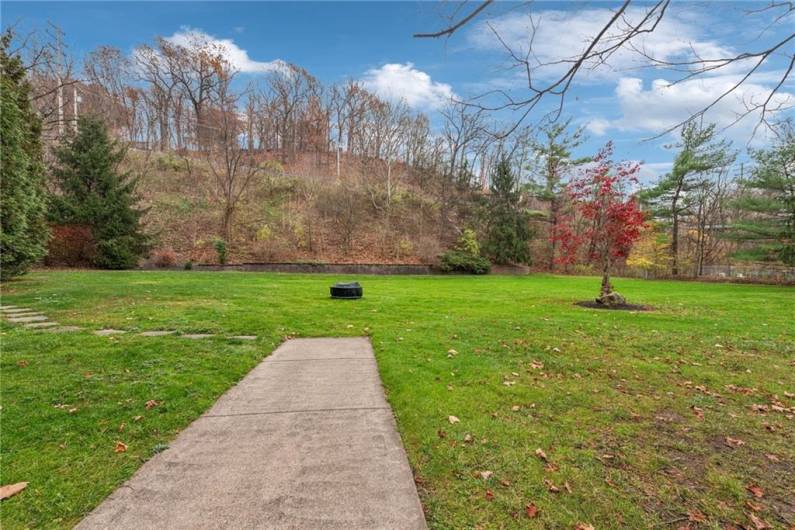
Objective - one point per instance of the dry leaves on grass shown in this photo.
(12, 489)
(531, 510)
(121, 447)
(734, 442)
(695, 516)
(755, 490)
(151, 404)
(758, 523)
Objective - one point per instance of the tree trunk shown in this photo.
(607, 287)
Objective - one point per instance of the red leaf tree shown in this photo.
(601, 200)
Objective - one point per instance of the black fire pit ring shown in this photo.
(346, 290)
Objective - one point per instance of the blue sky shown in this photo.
(373, 42)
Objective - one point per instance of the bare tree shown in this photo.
(234, 168)
(624, 32)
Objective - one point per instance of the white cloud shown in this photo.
(598, 126)
(404, 82)
(565, 34)
(238, 58)
(662, 105)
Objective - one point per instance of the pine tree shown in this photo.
(95, 194)
(508, 233)
(671, 199)
(23, 239)
(769, 204)
(553, 161)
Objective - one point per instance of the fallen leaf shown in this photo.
(151, 404)
(531, 510)
(541, 454)
(468, 438)
(758, 523)
(137, 418)
(698, 412)
(695, 516)
(753, 506)
(486, 475)
(515, 408)
(584, 526)
(12, 489)
(453, 419)
(121, 447)
(755, 490)
(551, 487)
(734, 442)
(122, 426)
(489, 495)
(772, 457)
(22, 363)
(505, 483)
(451, 351)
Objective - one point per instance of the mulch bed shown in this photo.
(593, 304)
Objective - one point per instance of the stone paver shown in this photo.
(33, 318)
(157, 333)
(197, 336)
(38, 325)
(306, 440)
(62, 329)
(244, 337)
(108, 331)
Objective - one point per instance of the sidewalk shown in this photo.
(305, 440)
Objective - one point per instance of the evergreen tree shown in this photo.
(508, 231)
(769, 205)
(95, 194)
(671, 198)
(552, 161)
(24, 234)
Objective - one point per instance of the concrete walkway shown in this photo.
(305, 440)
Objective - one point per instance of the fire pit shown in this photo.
(346, 290)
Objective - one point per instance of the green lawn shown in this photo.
(632, 410)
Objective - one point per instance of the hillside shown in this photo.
(295, 212)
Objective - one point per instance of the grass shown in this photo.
(632, 410)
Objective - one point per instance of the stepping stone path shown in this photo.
(33, 319)
(62, 329)
(158, 333)
(107, 332)
(38, 325)
(305, 441)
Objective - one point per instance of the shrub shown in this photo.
(465, 256)
(220, 249)
(164, 257)
(457, 261)
(71, 246)
(189, 265)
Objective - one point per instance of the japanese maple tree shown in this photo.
(610, 220)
